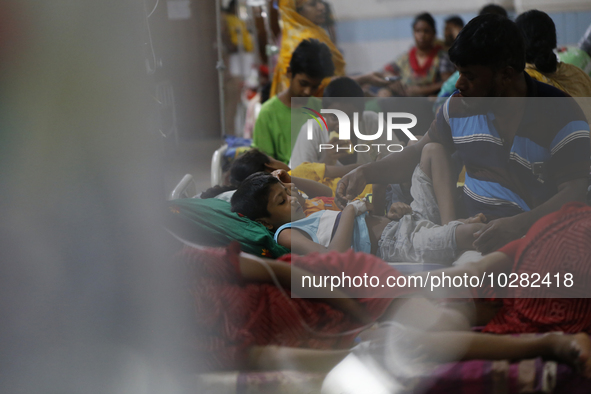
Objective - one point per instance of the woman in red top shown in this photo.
(420, 68)
(246, 322)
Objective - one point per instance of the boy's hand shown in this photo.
(360, 206)
(398, 210)
(282, 175)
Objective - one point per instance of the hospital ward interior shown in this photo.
(296, 196)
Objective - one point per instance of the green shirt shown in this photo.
(272, 130)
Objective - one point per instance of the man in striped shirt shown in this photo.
(524, 158)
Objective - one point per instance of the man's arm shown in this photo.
(254, 269)
(394, 168)
(270, 358)
(498, 233)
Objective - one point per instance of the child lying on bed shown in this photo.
(263, 198)
(253, 161)
(246, 322)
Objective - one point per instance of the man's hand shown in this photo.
(496, 234)
(398, 210)
(349, 187)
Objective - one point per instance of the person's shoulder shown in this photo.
(270, 110)
(271, 104)
(541, 89)
(315, 103)
(453, 107)
(370, 116)
(441, 52)
(573, 71)
(403, 57)
(283, 235)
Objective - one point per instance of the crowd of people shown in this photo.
(526, 166)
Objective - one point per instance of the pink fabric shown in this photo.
(559, 242)
(232, 315)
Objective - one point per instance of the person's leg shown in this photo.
(436, 164)
(379, 199)
(424, 315)
(375, 226)
(402, 345)
(450, 346)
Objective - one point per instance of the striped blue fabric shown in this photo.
(504, 178)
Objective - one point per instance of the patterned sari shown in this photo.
(295, 29)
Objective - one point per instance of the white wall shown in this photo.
(552, 5)
(373, 33)
(374, 55)
(356, 9)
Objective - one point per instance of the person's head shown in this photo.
(341, 94)
(253, 161)
(453, 26)
(310, 63)
(263, 198)
(490, 56)
(424, 31)
(539, 33)
(493, 9)
(313, 10)
(230, 8)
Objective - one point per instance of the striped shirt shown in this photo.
(551, 146)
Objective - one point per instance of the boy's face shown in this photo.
(282, 207)
(347, 107)
(303, 85)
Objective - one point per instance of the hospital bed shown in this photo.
(471, 377)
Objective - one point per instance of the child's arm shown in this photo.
(338, 171)
(300, 243)
(344, 235)
(308, 186)
(312, 188)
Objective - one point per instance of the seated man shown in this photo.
(522, 161)
(310, 63)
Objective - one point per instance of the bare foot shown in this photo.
(574, 350)
(480, 218)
